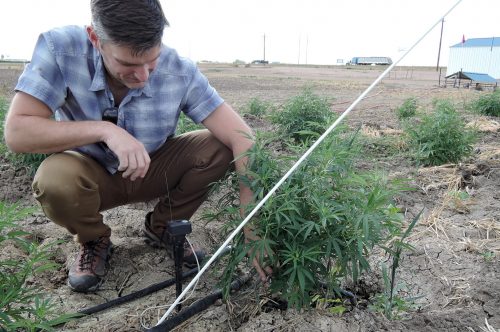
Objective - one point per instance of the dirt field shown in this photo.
(454, 270)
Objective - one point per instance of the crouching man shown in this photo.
(104, 100)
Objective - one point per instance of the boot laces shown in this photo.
(90, 251)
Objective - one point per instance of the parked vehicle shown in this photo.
(371, 60)
(260, 62)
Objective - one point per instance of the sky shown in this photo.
(325, 32)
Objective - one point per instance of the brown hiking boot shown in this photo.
(90, 266)
(162, 240)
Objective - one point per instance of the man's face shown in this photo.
(129, 70)
(124, 68)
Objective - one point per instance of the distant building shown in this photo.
(476, 55)
(471, 80)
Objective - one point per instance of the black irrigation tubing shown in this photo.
(350, 296)
(137, 294)
(130, 297)
(344, 293)
(142, 292)
(203, 303)
(198, 306)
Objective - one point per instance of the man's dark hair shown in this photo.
(137, 24)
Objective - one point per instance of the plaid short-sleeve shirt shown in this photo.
(67, 73)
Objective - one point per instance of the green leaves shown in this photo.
(408, 109)
(488, 104)
(23, 306)
(185, 125)
(304, 117)
(389, 302)
(441, 137)
(323, 221)
(257, 107)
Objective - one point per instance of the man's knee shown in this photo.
(61, 178)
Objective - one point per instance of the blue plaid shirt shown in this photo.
(67, 74)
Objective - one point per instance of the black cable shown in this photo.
(143, 292)
(130, 297)
(344, 293)
(137, 294)
(198, 306)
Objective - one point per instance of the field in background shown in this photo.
(454, 270)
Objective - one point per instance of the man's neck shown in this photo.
(118, 89)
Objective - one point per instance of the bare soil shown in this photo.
(454, 269)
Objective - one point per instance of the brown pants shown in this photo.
(72, 188)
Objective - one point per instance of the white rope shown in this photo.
(296, 165)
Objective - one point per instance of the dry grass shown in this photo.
(487, 240)
(372, 131)
(433, 178)
(459, 204)
(483, 124)
(435, 223)
(490, 154)
(458, 288)
(458, 181)
(487, 327)
(439, 177)
(452, 177)
(392, 137)
(489, 227)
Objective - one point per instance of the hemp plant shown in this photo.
(440, 137)
(389, 302)
(257, 107)
(304, 117)
(185, 125)
(487, 104)
(408, 109)
(24, 306)
(322, 223)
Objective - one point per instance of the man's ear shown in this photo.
(92, 36)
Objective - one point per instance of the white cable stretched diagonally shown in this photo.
(296, 165)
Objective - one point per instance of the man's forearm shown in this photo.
(33, 134)
(29, 128)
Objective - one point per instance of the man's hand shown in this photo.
(264, 272)
(133, 157)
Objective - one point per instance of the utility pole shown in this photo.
(440, 40)
(298, 60)
(307, 45)
(264, 58)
